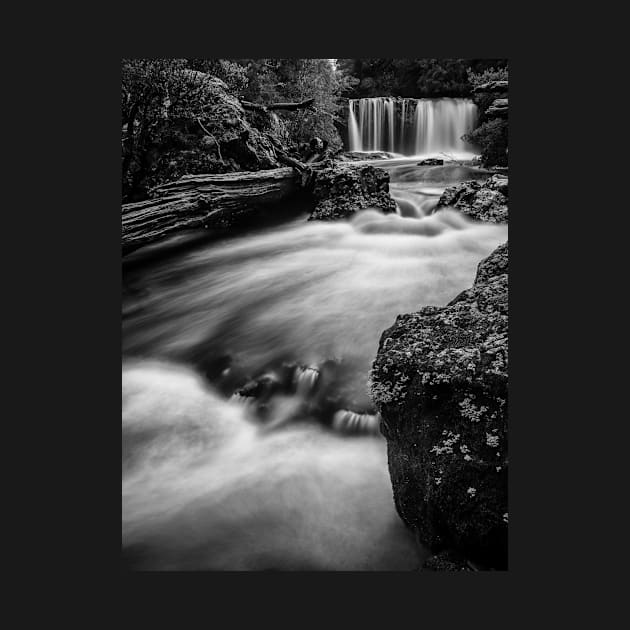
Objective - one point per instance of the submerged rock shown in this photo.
(340, 191)
(440, 382)
(431, 162)
(482, 201)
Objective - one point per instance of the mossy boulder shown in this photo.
(341, 190)
(440, 382)
(224, 139)
(481, 201)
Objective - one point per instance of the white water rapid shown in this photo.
(214, 479)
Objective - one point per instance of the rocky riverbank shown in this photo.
(440, 382)
(482, 201)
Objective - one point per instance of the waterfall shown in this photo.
(353, 128)
(435, 125)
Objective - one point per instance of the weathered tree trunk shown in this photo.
(196, 201)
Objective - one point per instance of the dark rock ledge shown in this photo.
(481, 201)
(440, 382)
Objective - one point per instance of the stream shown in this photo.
(216, 480)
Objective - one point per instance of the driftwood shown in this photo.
(198, 201)
(308, 103)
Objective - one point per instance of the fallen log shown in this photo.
(305, 104)
(202, 201)
(332, 191)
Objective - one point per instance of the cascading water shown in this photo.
(216, 476)
(410, 126)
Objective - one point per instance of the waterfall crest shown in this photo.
(410, 126)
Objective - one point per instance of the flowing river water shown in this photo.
(214, 480)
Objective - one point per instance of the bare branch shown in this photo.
(215, 140)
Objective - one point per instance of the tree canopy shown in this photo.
(414, 78)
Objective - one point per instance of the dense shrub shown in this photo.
(491, 135)
(293, 80)
(492, 138)
(490, 74)
(232, 74)
(414, 78)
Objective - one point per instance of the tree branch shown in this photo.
(215, 140)
(308, 103)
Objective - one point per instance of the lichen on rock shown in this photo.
(482, 201)
(341, 190)
(440, 383)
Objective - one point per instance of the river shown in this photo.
(214, 481)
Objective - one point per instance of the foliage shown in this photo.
(234, 75)
(168, 127)
(490, 74)
(492, 138)
(161, 99)
(171, 124)
(415, 78)
(491, 135)
(284, 80)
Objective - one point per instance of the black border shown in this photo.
(76, 293)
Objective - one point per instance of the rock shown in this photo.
(495, 265)
(352, 156)
(224, 139)
(482, 201)
(499, 108)
(491, 86)
(440, 382)
(446, 561)
(316, 144)
(239, 140)
(340, 191)
(431, 162)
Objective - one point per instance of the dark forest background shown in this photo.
(176, 122)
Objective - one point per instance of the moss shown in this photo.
(341, 191)
(485, 201)
(440, 383)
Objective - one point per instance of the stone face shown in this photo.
(482, 201)
(340, 191)
(250, 147)
(440, 382)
